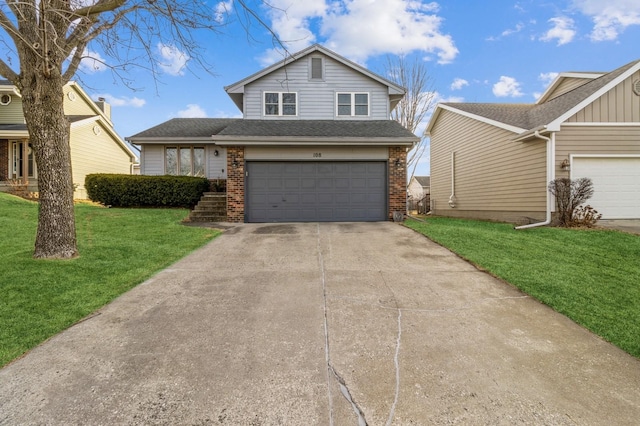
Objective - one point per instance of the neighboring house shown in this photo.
(494, 161)
(419, 186)
(95, 145)
(315, 143)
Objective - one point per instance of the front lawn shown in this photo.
(119, 248)
(591, 276)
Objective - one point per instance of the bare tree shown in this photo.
(416, 104)
(48, 39)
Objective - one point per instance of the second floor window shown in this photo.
(351, 104)
(280, 103)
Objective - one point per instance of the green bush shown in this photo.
(145, 191)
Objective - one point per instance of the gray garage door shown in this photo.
(316, 191)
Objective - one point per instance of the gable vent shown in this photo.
(316, 69)
(636, 87)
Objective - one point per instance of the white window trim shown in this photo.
(191, 148)
(280, 104)
(353, 104)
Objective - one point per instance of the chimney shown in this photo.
(104, 106)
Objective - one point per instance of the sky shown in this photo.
(475, 51)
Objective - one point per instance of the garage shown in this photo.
(316, 191)
(616, 181)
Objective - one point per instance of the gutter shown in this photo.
(551, 162)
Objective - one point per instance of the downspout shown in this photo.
(452, 197)
(551, 174)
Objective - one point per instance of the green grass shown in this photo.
(590, 275)
(119, 248)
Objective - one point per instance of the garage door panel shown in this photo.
(316, 191)
(616, 183)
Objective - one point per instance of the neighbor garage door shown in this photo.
(616, 183)
(316, 191)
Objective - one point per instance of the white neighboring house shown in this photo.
(419, 186)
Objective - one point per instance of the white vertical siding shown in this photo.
(316, 98)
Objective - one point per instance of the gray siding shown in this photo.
(618, 105)
(152, 160)
(495, 178)
(316, 98)
(216, 166)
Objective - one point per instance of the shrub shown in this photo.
(145, 191)
(570, 196)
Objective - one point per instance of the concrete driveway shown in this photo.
(323, 324)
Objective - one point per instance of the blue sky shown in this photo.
(475, 51)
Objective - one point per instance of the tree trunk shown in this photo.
(49, 129)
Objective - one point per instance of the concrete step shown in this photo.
(210, 218)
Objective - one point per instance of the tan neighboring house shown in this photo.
(95, 145)
(494, 161)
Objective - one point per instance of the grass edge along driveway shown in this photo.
(119, 249)
(590, 275)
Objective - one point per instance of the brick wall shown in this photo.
(235, 184)
(397, 180)
(4, 159)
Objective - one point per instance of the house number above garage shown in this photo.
(317, 155)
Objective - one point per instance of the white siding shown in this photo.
(152, 160)
(316, 98)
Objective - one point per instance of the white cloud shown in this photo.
(122, 101)
(563, 30)
(222, 11)
(459, 83)
(173, 60)
(92, 62)
(519, 27)
(610, 17)
(359, 29)
(192, 111)
(547, 77)
(507, 87)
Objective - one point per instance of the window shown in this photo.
(5, 99)
(184, 160)
(280, 103)
(22, 161)
(351, 104)
(316, 71)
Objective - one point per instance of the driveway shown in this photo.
(323, 324)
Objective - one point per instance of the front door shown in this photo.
(23, 165)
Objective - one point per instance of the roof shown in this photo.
(183, 128)
(423, 181)
(272, 131)
(524, 118)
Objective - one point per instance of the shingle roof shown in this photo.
(318, 128)
(207, 127)
(531, 116)
(186, 128)
(423, 180)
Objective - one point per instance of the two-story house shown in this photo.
(95, 145)
(316, 143)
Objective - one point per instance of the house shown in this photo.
(315, 143)
(418, 187)
(95, 145)
(494, 161)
